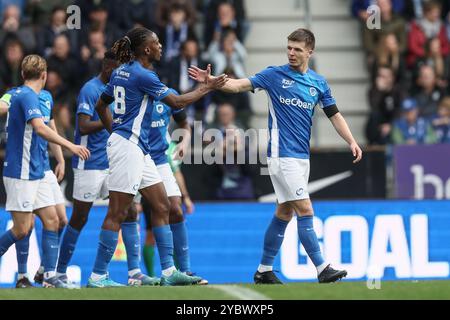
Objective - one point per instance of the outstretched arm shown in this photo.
(343, 130)
(231, 86)
(211, 83)
(51, 136)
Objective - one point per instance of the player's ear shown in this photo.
(147, 50)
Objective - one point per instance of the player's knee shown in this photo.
(176, 212)
(63, 222)
(51, 222)
(78, 221)
(21, 231)
(285, 215)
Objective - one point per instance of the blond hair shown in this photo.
(33, 66)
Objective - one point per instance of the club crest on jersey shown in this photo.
(159, 108)
(313, 91)
(287, 83)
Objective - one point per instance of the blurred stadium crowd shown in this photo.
(409, 64)
(192, 32)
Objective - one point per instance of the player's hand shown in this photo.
(81, 151)
(60, 171)
(356, 151)
(198, 74)
(189, 205)
(215, 83)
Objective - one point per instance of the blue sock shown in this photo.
(106, 247)
(180, 244)
(22, 247)
(164, 241)
(6, 240)
(50, 249)
(309, 240)
(272, 240)
(60, 233)
(68, 243)
(130, 236)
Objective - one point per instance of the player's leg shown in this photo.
(156, 197)
(78, 219)
(22, 250)
(308, 239)
(50, 246)
(273, 238)
(60, 211)
(87, 185)
(149, 246)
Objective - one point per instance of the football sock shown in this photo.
(309, 240)
(149, 254)
(68, 244)
(164, 242)
(60, 233)
(263, 268)
(272, 240)
(106, 247)
(6, 240)
(130, 236)
(50, 249)
(180, 244)
(22, 247)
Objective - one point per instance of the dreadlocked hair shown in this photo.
(127, 47)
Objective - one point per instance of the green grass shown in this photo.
(420, 290)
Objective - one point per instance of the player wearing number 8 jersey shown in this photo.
(133, 87)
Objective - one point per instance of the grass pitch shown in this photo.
(420, 290)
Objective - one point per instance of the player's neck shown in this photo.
(301, 68)
(103, 78)
(35, 85)
(145, 63)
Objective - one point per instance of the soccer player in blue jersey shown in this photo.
(27, 189)
(294, 90)
(159, 140)
(91, 178)
(22, 246)
(133, 87)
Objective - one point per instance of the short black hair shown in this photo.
(303, 35)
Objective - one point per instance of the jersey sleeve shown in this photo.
(261, 80)
(50, 99)
(151, 85)
(326, 98)
(85, 102)
(30, 107)
(6, 98)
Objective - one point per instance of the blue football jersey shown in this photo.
(23, 158)
(159, 137)
(95, 142)
(46, 105)
(134, 90)
(292, 99)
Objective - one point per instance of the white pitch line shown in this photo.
(240, 292)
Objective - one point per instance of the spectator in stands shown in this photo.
(385, 98)
(434, 58)
(441, 121)
(99, 20)
(64, 63)
(10, 72)
(93, 53)
(11, 27)
(40, 12)
(175, 32)
(427, 93)
(46, 36)
(227, 54)
(392, 24)
(141, 13)
(388, 54)
(236, 179)
(163, 8)
(178, 78)
(422, 30)
(411, 128)
(359, 8)
(224, 17)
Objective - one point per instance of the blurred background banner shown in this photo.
(387, 240)
(422, 172)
